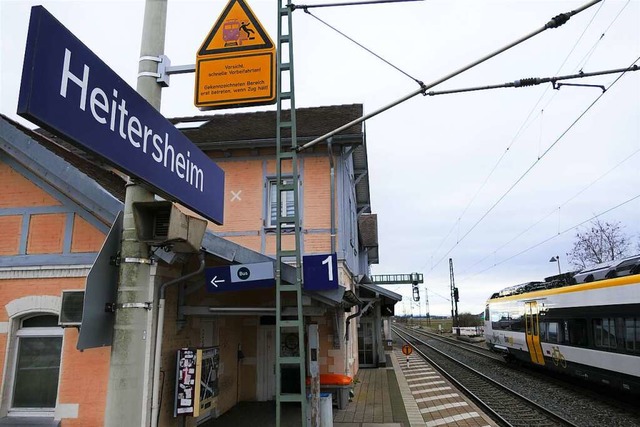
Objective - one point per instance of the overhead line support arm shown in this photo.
(533, 81)
(353, 3)
(554, 23)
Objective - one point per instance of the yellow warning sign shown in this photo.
(235, 65)
(242, 80)
(236, 30)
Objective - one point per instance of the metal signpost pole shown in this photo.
(128, 393)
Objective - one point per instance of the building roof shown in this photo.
(380, 291)
(102, 194)
(256, 129)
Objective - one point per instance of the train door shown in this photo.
(532, 328)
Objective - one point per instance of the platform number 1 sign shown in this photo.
(320, 272)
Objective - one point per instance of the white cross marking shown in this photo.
(235, 195)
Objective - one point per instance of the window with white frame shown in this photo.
(37, 364)
(286, 203)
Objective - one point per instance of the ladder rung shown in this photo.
(291, 360)
(287, 155)
(285, 95)
(285, 66)
(292, 288)
(289, 323)
(291, 398)
(289, 253)
(287, 187)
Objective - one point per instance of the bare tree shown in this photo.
(603, 241)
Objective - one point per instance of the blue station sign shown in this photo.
(68, 90)
(240, 277)
(320, 272)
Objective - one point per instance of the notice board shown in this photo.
(196, 380)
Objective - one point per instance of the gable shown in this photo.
(17, 191)
(45, 227)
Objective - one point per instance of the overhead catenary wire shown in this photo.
(619, 205)
(525, 124)
(526, 172)
(365, 48)
(586, 58)
(554, 22)
(554, 210)
(352, 3)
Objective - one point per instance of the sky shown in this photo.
(498, 180)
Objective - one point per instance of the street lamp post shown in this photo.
(556, 259)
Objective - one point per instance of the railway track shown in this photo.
(506, 406)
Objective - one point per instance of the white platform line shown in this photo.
(430, 390)
(442, 407)
(413, 374)
(426, 384)
(438, 397)
(427, 377)
(454, 418)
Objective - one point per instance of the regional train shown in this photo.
(585, 323)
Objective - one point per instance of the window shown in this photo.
(510, 319)
(543, 331)
(287, 207)
(632, 334)
(604, 331)
(37, 366)
(575, 332)
(552, 332)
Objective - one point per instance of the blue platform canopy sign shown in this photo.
(320, 272)
(240, 277)
(68, 90)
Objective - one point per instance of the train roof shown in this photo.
(606, 270)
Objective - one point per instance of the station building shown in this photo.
(58, 203)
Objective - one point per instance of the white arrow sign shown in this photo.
(215, 281)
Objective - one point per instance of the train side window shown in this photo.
(543, 331)
(516, 321)
(632, 334)
(552, 331)
(604, 331)
(577, 329)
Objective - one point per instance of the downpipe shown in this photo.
(155, 405)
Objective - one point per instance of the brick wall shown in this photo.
(10, 242)
(83, 375)
(17, 191)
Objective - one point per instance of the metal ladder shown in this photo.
(288, 293)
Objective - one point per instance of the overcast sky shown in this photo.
(496, 180)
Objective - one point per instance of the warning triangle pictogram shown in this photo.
(236, 30)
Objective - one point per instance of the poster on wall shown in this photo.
(207, 371)
(185, 382)
(196, 380)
